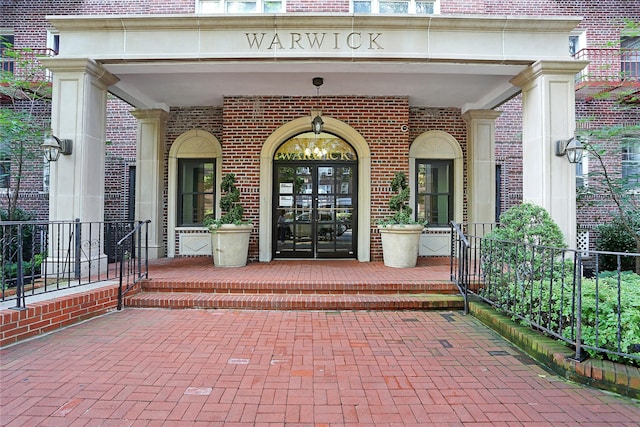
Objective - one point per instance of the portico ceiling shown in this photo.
(465, 62)
(153, 85)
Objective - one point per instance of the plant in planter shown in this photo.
(400, 233)
(229, 234)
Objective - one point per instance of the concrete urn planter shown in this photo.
(400, 244)
(230, 245)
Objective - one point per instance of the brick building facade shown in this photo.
(390, 123)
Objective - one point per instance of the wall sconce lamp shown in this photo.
(317, 122)
(572, 148)
(52, 147)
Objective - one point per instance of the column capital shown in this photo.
(153, 114)
(542, 68)
(80, 65)
(481, 115)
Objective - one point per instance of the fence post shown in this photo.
(120, 260)
(20, 297)
(78, 248)
(139, 249)
(577, 273)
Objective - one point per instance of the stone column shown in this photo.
(76, 190)
(548, 115)
(481, 165)
(150, 168)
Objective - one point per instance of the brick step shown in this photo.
(296, 288)
(266, 301)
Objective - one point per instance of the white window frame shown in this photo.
(5, 183)
(220, 6)
(46, 177)
(375, 6)
(584, 176)
(631, 150)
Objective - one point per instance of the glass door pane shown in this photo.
(294, 214)
(335, 212)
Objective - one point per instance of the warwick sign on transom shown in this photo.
(314, 41)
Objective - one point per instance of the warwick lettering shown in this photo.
(313, 156)
(314, 41)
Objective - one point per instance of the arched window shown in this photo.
(194, 171)
(436, 166)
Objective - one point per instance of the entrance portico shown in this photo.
(472, 64)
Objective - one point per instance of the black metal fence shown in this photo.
(132, 251)
(595, 310)
(39, 257)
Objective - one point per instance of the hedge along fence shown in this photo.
(544, 288)
(523, 268)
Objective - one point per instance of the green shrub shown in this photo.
(229, 203)
(603, 302)
(399, 203)
(551, 304)
(10, 240)
(614, 237)
(528, 223)
(524, 247)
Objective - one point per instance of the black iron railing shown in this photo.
(133, 259)
(585, 298)
(38, 257)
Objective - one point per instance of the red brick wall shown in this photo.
(47, 316)
(120, 151)
(509, 152)
(250, 120)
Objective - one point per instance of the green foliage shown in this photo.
(9, 240)
(520, 248)
(24, 119)
(399, 202)
(600, 312)
(528, 223)
(618, 189)
(229, 203)
(30, 269)
(615, 237)
(8, 235)
(551, 304)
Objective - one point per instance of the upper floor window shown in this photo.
(631, 162)
(574, 45)
(582, 171)
(417, 7)
(46, 175)
(5, 165)
(236, 6)
(6, 41)
(630, 57)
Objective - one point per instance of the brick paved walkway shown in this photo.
(212, 367)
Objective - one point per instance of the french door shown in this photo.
(315, 209)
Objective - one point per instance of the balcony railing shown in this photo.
(609, 65)
(609, 70)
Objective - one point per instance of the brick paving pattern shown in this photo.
(147, 367)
